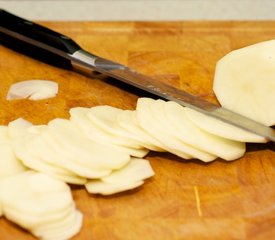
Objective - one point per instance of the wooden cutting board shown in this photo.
(185, 199)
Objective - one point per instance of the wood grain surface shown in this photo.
(185, 199)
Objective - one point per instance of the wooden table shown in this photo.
(185, 199)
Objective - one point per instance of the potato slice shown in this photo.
(9, 163)
(126, 178)
(185, 129)
(32, 221)
(62, 230)
(222, 129)
(127, 120)
(33, 89)
(244, 82)
(22, 131)
(87, 151)
(33, 162)
(18, 127)
(104, 188)
(80, 119)
(36, 194)
(1, 206)
(105, 117)
(137, 169)
(55, 152)
(4, 135)
(160, 130)
(38, 202)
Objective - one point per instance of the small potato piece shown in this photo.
(104, 188)
(33, 89)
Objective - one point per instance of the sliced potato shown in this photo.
(65, 159)
(22, 152)
(105, 117)
(105, 188)
(4, 135)
(222, 129)
(126, 178)
(40, 204)
(185, 129)
(137, 169)
(18, 127)
(80, 119)
(160, 130)
(9, 163)
(36, 194)
(63, 229)
(33, 89)
(33, 221)
(244, 82)
(90, 152)
(127, 120)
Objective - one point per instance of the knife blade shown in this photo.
(52, 47)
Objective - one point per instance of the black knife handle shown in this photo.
(35, 40)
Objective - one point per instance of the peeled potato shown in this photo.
(244, 82)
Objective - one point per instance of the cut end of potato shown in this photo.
(33, 90)
(244, 82)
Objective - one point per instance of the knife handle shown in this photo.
(35, 40)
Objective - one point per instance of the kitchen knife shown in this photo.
(52, 47)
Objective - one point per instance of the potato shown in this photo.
(188, 132)
(128, 121)
(244, 82)
(40, 204)
(161, 130)
(80, 119)
(126, 178)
